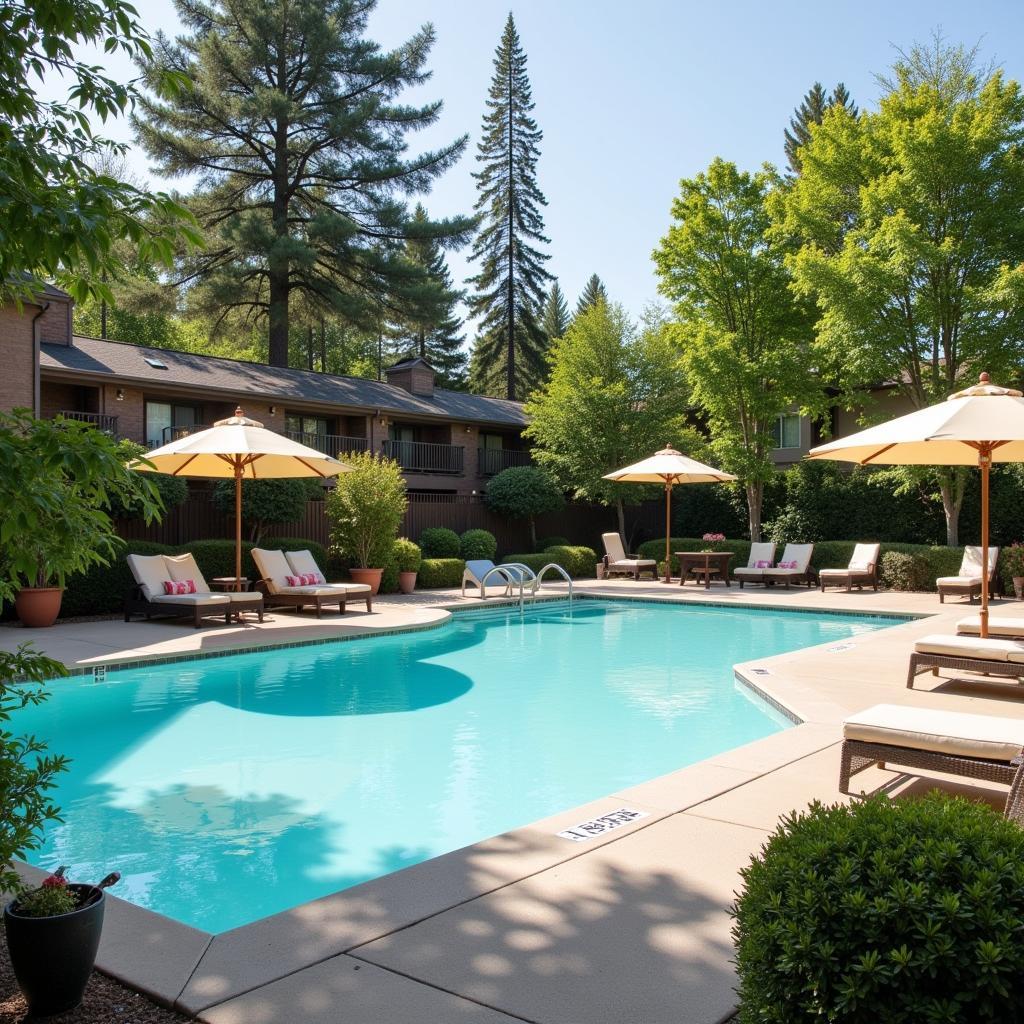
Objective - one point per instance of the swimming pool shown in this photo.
(230, 788)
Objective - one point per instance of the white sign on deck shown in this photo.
(598, 826)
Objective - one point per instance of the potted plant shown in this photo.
(364, 510)
(1012, 561)
(712, 541)
(408, 559)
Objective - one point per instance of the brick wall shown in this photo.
(56, 396)
(55, 323)
(17, 357)
(130, 411)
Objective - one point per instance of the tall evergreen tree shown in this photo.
(430, 327)
(508, 357)
(291, 121)
(594, 292)
(555, 320)
(812, 111)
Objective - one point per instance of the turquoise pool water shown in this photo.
(230, 788)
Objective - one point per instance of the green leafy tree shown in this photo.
(291, 121)
(743, 336)
(614, 395)
(524, 492)
(63, 214)
(555, 319)
(594, 292)
(508, 356)
(266, 502)
(365, 510)
(811, 112)
(910, 225)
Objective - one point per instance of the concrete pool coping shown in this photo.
(487, 932)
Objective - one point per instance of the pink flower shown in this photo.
(54, 882)
(713, 536)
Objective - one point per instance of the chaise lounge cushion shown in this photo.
(996, 627)
(617, 555)
(273, 567)
(945, 732)
(328, 590)
(970, 647)
(304, 564)
(796, 558)
(192, 599)
(185, 567)
(959, 581)
(150, 572)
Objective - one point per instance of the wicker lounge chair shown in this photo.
(275, 567)
(1006, 629)
(863, 569)
(992, 656)
(762, 557)
(793, 567)
(148, 596)
(973, 746)
(968, 580)
(617, 564)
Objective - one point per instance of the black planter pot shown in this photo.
(52, 957)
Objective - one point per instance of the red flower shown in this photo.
(54, 882)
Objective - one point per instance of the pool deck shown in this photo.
(628, 926)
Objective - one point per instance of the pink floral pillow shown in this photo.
(786, 565)
(762, 564)
(179, 587)
(304, 579)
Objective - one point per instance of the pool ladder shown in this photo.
(537, 580)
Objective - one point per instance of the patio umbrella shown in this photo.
(239, 448)
(669, 467)
(975, 427)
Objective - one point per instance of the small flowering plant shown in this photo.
(713, 541)
(53, 897)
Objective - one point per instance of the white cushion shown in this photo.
(968, 647)
(970, 565)
(996, 627)
(273, 567)
(327, 590)
(843, 573)
(184, 567)
(959, 581)
(945, 732)
(613, 547)
(199, 599)
(762, 551)
(302, 563)
(746, 570)
(631, 563)
(799, 553)
(783, 573)
(864, 557)
(150, 572)
(243, 596)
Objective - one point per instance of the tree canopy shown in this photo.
(593, 292)
(811, 112)
(555, 319)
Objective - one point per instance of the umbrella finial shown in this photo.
(240, 412)
(983, 378)
(239, 419)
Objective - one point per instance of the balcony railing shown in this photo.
(494, 460)
(424, 457)
(335, 445)
(100, 420)
(169, 434)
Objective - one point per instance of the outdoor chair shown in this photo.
(616, 563)
(476, 575)
(993, 656)
(863, 568)
(762, 556)
(968, 580)
(155, 591)
(278, 572)
(986, 747)
(793, 567)
(1004, 628)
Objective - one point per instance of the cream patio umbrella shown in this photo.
(669, 467)
(239, 448)
(974, 427)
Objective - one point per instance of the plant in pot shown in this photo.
(713, 541)
(1011, 560)
(408, 558)
(364, 511)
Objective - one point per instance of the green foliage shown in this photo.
(578, 561)
(407, 555)
(536, 562)
(101, 588)
(47, 901)
(552, 542)
(743, 336)
(63, 213)
(508, 355)
(524, 492)
(435, 573)
(59, 480)
(266, 502)
(717, 508)
(593, 294)
(902, 571)
(555, 317)
(810, 113)
(27, 772)
(172, 490)
(440, 542)
(1011, 564)
(365, 509)
(329, 565)
(477, 544)
(904, 911)
(656, 549)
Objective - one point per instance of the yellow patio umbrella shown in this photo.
(239, 448)
(974, 427)
(669, 467)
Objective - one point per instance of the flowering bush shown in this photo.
(53, 897)
(712, 541)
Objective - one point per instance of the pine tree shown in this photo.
(812, 111)
(508, 357)
(291, 122)
(555, 320)
(594, 292)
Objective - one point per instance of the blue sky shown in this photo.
(633, 97)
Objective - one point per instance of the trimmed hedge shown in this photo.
(578, 561)
(440, 572)
(553, 542)
(536, 562)
(439, 542)
(477, 544)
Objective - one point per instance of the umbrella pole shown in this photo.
(238, 524)
(985, 461)
(668, 529)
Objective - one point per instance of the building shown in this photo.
(447, 442)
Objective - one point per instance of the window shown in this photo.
(787, 431)
(299, 423)
(492, 442)
(400, 433)
(161, 417)
(155, 363)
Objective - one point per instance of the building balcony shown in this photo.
(494, 460)
(425, 457)
(99, 420)
(335, 445)
(169, 434)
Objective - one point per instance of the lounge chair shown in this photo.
(793, 567)
(994, 656)
(476, 575)
(1007, 629)
(617, 564)
(863, 568)
(275, 568)
(968, 580)
(973, 746)
(154, 573)
(762, 557)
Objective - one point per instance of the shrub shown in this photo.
(440, 542)
(440, 572)
(1011, 563)
(173, 490)
(578, 561)
(266, 501)
(524, 492)
(900, 571)
(475, 544)
(101, 588)
(536, 562)
(901, 911)
(217, 558)
(365, 509)
(407, 555)
(656, 549)
(552, 542)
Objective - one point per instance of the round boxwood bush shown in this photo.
(905, 912)
(475, 544)
(406, 555)
(552, 542)
(440, 542)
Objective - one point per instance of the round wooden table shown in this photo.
(704, 564)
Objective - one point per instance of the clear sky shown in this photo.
(631, 97)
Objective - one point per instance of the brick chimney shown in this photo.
(413, 375)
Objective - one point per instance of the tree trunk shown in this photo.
(277, 269)
(323, 345)
(278, 349)
(511, 317)
(952, 483)
(620, 511)
(309, 346)
(755, 496)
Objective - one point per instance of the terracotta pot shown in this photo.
(38, 607)
(407, 582)
(1018, 587)
(369, 576)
